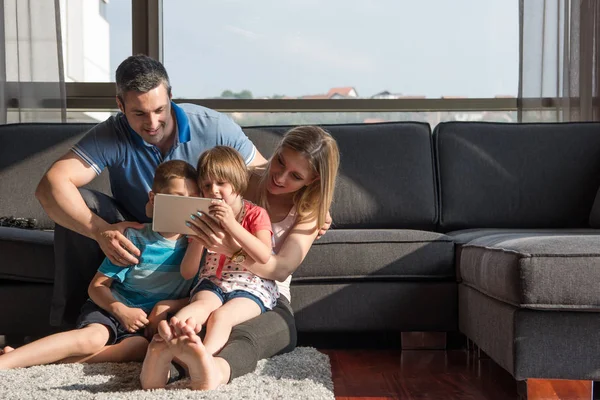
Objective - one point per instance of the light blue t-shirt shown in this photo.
(157, 276)
(113, 144)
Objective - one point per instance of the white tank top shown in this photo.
(281, 230)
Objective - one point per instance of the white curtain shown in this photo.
(560, 42)
(31, 68)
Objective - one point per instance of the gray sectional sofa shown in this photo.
(482, 228)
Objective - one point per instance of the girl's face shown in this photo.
(289, 172)
(215, 189)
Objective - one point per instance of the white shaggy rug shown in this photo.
(305, 373)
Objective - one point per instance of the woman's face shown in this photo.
(290, 171)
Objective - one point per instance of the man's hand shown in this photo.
(325, 226)
(119, 250)
(132, 319)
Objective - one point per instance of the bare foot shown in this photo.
(155, 370)
(6, 349)
(188, 347)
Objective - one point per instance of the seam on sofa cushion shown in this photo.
(536, 306)
(385, 241)
(372, 278)
(532, 255)
(493, 296)
(21, 278)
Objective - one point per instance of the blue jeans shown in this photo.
(205, 284)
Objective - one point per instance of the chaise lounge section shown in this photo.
(528, 287)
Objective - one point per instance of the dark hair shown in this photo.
(169, 170)
(140, 73)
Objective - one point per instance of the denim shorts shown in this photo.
(205, 284)
(91, 313)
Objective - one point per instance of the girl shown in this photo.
(296, 187)
(227, 291)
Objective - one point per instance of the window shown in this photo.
(102, 5)
(341, 49)
(95, 38)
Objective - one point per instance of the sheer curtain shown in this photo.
(31, 68)
(560, 43)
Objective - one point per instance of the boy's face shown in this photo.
(177, 187)
(181, 187)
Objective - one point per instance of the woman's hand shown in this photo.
(210, 234)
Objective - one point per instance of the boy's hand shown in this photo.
(223, 213)
(119, 250)
(132, 319)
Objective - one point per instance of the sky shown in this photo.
(431, 48)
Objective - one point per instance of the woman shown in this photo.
(296, 188)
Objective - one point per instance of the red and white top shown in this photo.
(229, 276)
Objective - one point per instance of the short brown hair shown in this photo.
(224, 163)
(172, 169)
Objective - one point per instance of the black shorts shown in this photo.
(91, 313)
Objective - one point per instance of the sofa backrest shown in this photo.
(507, 175)
(26, 153)
(386, 178)
(386, 175)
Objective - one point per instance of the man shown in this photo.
(149, 130)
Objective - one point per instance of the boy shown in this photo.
(121, 298)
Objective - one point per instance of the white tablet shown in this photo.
(171, 212)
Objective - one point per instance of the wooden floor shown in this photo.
(424, 374)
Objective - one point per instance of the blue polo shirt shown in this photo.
(131, 162)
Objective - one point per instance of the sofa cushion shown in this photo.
(386, 177)
(27, 151)
(537, 271)
(517, 175)
(464, 236)
(377, 255)
(27, 255)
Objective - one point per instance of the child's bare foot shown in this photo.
(166, 331)
(5, 350)
(155, 370)
(191, 322)
(188, 347)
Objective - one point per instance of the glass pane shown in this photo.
(433, 118)
(96, 37)
(88, 116)
(341, 48)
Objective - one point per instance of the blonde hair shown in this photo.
(224, 163)
(170, 170)
(321, 151)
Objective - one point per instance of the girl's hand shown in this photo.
(223, 213)
(210, 234)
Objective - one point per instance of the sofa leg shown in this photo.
(470, 345)
(423, 340)
(554, 389)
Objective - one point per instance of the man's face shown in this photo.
(149, 114)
